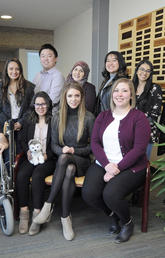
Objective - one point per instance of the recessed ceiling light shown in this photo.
(6, 17)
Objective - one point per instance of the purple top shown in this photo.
(134, 135)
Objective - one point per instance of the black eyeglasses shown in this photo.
(37, 105)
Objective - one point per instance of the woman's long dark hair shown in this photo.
(32, 113)
(148, 81)
(20, 92)
(122, 64)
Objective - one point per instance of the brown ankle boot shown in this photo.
(24, 221)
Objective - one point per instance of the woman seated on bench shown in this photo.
(37, 126)
(119, 141)
(71, 131)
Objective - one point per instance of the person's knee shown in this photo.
(37, 176)
(111, 197)
(88, 195)
(89, 190)
(63, 158)
(70, 171)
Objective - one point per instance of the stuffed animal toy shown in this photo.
(35, 148)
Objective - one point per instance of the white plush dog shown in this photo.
(35, 148)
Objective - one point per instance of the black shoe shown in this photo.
(114, 225)
(125, 233)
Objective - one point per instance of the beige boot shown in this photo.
(34, 228)
(44, 214)
(24, 221)
(67, 228)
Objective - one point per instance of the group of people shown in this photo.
(69, 120)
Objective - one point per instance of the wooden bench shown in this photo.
(78, 180)
(145, 192)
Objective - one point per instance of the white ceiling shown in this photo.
(41, 14)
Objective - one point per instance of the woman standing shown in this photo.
(119, 140)
(16, 94)
(79, 73)
(148, 97)
(37, 126)
(114, 68)
(71, 131)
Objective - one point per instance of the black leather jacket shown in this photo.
(103, 97)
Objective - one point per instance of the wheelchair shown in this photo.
(7, 183)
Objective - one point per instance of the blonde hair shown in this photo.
(64, 108)
(132, 90)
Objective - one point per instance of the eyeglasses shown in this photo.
(37, 105)
(144, 70)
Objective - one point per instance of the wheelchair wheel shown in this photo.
(6, 217)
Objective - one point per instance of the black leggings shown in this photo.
(38, 174)
(111, 196)
(64, 178)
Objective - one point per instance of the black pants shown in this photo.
(110, 196)
(38, 174)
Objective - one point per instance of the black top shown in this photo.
(90, 96)
(103, 97)
(5, 107)
(150, 103)
(82, 148)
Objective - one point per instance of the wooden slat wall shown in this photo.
(144, 37)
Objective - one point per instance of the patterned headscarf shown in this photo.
(85, 68)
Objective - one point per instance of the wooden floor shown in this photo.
(92, 239)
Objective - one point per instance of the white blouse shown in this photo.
(111, 143)
(15, 109)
